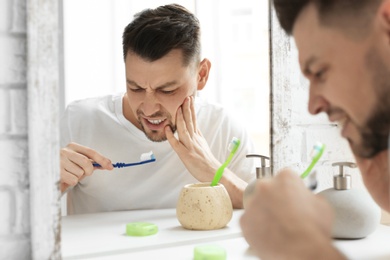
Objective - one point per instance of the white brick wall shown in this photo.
(14, 180)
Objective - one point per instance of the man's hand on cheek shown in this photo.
(191, 146)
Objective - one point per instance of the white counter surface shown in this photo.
(102, 236)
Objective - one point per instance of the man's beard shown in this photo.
(153, 135)
(374, 135)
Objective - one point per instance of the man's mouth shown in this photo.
(343, 124)
(341, 118)
(154, 124)
(342, 121)
(155, 121)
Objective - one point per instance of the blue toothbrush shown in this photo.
(145, 158)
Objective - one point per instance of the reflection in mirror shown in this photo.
(234, 39)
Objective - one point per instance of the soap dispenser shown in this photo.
(261, 172)
(356, 214)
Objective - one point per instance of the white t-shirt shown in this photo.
(99, 123)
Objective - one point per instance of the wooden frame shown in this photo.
(43, 131)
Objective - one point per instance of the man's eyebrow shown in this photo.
(133, 83)
(308, 64)
(165, 85)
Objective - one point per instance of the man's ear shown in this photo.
(203, 73)
(384, 17)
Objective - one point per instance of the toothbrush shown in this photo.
(315, 154)
(313, 183)
(144, 158)
(233, 147)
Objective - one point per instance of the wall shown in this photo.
(14, 179)
(29, 157)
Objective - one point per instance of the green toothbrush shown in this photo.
(233, 147)
(316, 153)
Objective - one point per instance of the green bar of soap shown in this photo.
(209, 252)
(141, 229)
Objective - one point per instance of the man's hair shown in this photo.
(155, 32)
(347, 14)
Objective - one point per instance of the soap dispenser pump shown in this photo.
(356, 214)
(261, 172)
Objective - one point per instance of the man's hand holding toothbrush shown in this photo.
(76, 163)
(284, 218)
(195, 153)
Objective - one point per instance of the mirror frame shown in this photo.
(281, 58)
(43, 70)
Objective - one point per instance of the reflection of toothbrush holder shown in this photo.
(356, 214)
(261, 172)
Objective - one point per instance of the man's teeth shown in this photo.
(155, 122)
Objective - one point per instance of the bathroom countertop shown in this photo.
(102, 236)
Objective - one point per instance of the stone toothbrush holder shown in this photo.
(204, 207)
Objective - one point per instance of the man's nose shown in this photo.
(150, 104)
(317, 103)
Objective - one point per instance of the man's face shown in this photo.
(349, 80)
(155, 90)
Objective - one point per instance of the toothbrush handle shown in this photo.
(308, 170)
(218, 175)
(229, 159)
(96, 165)
(121, 165)
(220, 170)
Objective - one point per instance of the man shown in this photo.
(189, 137)
(344, 52)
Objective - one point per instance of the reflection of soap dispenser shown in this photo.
(261, 172)
(356, 214)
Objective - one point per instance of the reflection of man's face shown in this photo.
(349, 80)
(155, 90)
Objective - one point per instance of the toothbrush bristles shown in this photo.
(147, 156)
(233, 143)
(316, 149)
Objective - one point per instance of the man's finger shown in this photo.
(195, 126)
(89, 154)
(182, 130)
(188, 116)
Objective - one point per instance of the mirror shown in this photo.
(234, 38)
